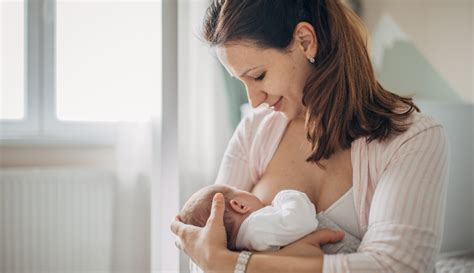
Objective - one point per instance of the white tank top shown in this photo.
(343, 213)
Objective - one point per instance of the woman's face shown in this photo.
(271, 76)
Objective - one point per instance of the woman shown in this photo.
(332, 131)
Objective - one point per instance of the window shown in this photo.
(109, 63)
(12, 76)
(71, 69)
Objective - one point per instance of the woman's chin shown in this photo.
(289, 112)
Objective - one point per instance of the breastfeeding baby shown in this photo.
(251, 225)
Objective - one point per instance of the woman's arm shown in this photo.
(406, 212)
(261, 262)
(304, 255)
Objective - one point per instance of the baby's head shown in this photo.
(238, 206)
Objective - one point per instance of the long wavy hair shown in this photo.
(342, 98)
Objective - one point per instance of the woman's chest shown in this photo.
(288, 169)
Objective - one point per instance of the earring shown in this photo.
(312, 60)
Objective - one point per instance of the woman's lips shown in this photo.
(277, 104)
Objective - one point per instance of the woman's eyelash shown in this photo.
(259, 78)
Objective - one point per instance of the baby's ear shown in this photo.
(238, 206)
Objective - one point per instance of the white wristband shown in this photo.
(242, 261)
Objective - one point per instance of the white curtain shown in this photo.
(134, 156)
(204, 128)
(204, 119)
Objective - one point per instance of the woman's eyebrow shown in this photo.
(248, 70)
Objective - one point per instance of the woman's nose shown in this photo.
(256, 96)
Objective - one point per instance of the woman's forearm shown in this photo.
(264, 262)
(270, 263)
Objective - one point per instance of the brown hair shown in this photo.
(198, 209)
(343, 99)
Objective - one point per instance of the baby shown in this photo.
(251, 225)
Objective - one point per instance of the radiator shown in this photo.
(55, 220)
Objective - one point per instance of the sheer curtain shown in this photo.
(204, 120)
(146, 197)
(147, 169)
(155, 177)
(135, 171)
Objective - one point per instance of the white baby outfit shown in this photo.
(290, 217)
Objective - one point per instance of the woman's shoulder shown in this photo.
(420, 129)
(416, 124)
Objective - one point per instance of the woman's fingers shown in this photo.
(177, 243)
(186, 234)
(182, 230)
(178, 228)
(180, 246)
(217, 210)
(325, 236)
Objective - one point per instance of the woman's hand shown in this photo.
(202, 244)
(310, 245)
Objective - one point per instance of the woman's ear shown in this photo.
(238, 206)
(305, 39)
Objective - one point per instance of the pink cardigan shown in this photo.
(399, 190)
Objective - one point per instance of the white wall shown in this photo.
(443, 30)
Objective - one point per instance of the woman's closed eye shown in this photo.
(261, 77)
